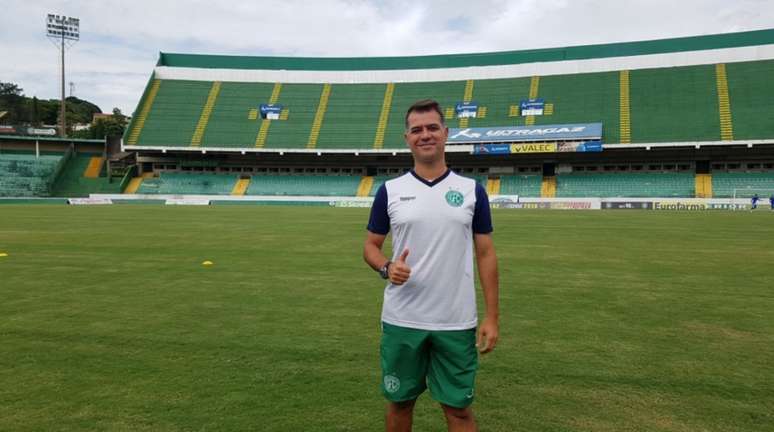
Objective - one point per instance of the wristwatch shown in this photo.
(384, 272)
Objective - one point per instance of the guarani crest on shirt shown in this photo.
(454, 198)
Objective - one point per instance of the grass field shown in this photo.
(610, 321)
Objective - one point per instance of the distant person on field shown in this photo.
(771, 202)
(429, 314)
(754, 201)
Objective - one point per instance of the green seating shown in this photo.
(751, 91)
(174, 114)
(24, 175)
(73, 184)
(522, 185)
(677, 104)
(634, 185)
(229, 125)
(583, 98)
(189, 184)
(311, 185)
(723, 184)
(405, 94)
(497, 95)
(352, 115)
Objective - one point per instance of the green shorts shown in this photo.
(413, 360)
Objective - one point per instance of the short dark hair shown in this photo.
(425, 105)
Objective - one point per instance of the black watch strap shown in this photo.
(384, 272)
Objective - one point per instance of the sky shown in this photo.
(120, 40)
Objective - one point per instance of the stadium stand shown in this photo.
(446, 93)
(608, 185)
(352, 116)
(684, 103)
(751, 91)
(194, 184)
(174, 113)
(667, 105)
(25, 175)
(302, 101)
(78, 179)
(705, 102)
(582, 98)
(723, 184)
(522, 185)
(674, 104)
(303, 185)
(230, 123)
(498, 95)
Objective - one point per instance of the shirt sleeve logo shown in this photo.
(454, 198)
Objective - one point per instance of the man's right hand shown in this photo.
(399, 271)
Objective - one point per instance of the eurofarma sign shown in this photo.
(567, 132)
(681, 205)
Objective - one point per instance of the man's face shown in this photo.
(426, 136)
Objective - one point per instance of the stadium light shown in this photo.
(60, 28)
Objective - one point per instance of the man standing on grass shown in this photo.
(429, 314)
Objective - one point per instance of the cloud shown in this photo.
(120, 40)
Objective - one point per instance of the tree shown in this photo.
(10, 89)
(80, 111)
(22, 111)
(35, 112)
(12, 100)
(113, 125)
(49, 111)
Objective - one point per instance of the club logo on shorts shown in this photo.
(454, 198)
(391, 383)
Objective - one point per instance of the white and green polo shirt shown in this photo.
(435, 221)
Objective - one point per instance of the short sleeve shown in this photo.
(379, 221)
(482, 216)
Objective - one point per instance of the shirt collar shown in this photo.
(434, 182)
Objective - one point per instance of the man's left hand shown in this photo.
(488, 333)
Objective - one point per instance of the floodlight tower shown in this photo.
(60, 28)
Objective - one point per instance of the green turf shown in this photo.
(611, 321)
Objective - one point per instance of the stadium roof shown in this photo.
(585, 52)
(46, 138)
(685, 51)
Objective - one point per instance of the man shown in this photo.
(754, 202)
(429, 314)
(771, 202)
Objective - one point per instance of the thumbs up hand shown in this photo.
(399, 271)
